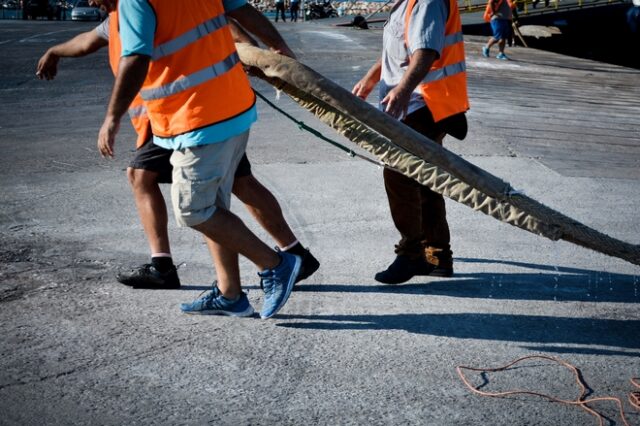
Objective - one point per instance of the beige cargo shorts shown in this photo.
(203, 179)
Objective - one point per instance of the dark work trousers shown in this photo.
(418, 213)
(280, 11)
(295, 7)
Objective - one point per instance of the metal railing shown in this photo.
(534, 7)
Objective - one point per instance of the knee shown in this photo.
(141, 180)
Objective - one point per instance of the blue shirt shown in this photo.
(137, 22)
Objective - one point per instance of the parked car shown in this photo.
(10, 4)
(83, 12)
(38, 8)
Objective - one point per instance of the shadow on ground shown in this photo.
(536, 282)
(502, 327)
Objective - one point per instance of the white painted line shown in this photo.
(40, 35)
(6, 41)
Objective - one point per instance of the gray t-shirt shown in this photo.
(103, 29)
(503, 12)
(426, 31)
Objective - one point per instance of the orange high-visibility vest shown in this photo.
(489, 11)
(195, 77)
(137, 110)
(444, 88)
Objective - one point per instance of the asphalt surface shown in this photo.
(79, 348)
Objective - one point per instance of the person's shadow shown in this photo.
(534, 282)
(536, 332)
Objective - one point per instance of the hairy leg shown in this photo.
(229, 236)
(264, 207)
(151, 208)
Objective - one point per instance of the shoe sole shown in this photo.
(444, 273)
(149, 287)
(246, 313)
(290, 284)
(391, 282)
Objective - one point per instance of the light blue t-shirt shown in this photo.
(137, 21)
(426, 31)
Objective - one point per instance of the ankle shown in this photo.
(162, 263)
(296, 249)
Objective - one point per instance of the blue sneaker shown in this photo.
(278, 283)
(485, 51)
(214, 303)
(502, 56)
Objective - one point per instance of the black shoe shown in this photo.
(309, 265)
(403, 269)
(147, 276)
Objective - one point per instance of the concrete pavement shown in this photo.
(79, 348)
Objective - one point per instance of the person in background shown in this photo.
(422, 76)
(499, 14)
(294, 9)
(280, 10)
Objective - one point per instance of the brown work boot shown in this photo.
(440, 261)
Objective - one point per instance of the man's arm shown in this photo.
(131, 74)
(397, 100)
(81, 45)
(255, 22)
(369, 81)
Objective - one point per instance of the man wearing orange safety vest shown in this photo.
(499, 13)
(151, 166)
(180, 57)
(422, 76)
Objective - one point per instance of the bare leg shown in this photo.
(501, 45)
(264, 207)
(151, 208)
(230, 236)
(491, 42)
(228, 271)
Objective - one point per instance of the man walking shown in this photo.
(499, 14)
(280, 10)
(423, 83)
(181, 57)
(151, 166)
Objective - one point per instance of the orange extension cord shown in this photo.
(634, 397)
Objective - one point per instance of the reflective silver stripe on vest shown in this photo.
(447, 71)
(138, 111)
(189, 37)
(191, 80)
(452, 39)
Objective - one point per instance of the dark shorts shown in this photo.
(153, 158)
(501, 29)
(422, 121)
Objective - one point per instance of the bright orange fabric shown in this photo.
(210, 102)
(447, 96)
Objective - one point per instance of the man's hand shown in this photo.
(397, 102)
(107, 137)
(363, 88)
(284, 50)
(256, 23)
(131, 74)
(47, 66)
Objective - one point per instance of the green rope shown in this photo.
(316, 133)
